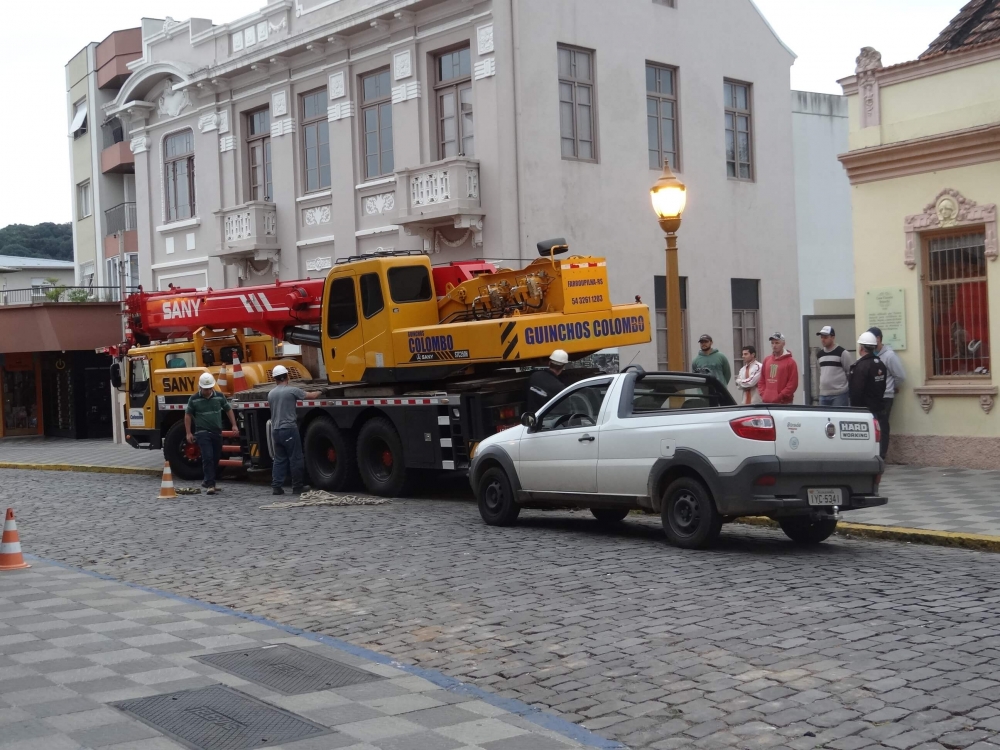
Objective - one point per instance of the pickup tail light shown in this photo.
(757, 427)
(878, 431)
(766, 480)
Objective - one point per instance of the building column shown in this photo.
(145, 221)
(343, 149)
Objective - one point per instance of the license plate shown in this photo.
(825, 497)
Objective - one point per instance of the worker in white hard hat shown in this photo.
(285, 437)
(203, 424)
(867, 380)
(543, 385)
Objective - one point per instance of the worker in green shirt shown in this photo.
(203, 424)
(711, 361)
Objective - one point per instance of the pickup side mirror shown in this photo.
(528, 419)
(116, 375)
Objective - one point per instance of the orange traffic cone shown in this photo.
(167, 484)
(239, 380)
(10, 545)
(221, 380)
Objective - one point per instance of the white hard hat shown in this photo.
(278, 371)
(867, 339)
(206, 380)
(559, 357)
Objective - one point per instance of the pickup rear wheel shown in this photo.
(806, 530)
(609, 515)
(689, 517)
(380, 458)
(329, 456)
(496, 498)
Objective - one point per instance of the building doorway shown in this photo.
(19, 384)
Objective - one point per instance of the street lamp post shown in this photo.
(669, 197)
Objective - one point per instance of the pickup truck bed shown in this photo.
(677, 444)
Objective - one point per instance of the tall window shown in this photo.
(660, 295)
(259, 155)
(315, 141)
(454, 104)
(576, 104)
(131, 269)
(746, 317)
(739, 130)
(84, 200)
(661, 115)
(957, 304)
(178, 167)
(376, 118)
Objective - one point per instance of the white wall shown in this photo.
(822, 199)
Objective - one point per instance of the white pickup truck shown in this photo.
(677, 444)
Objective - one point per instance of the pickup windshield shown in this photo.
(660, 394)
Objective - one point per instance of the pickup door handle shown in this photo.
(587, 439)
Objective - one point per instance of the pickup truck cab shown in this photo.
(678, 444)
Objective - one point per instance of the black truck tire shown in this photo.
(183, 457)
(609, 515)
(689, 517)
(381, 461)
(496, 498)
(807, 531)
(329, 456)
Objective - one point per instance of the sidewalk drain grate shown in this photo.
(287, 669)
(220, 718)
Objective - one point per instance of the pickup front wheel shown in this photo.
(805, 530)
(689, 517)
(496, 498)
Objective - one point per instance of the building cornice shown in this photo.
(959, 148)
(930, 66)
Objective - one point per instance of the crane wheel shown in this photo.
(329, 457)
(184, 458)
(380, 458)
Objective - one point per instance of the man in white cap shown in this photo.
(834, 368)
(203, 424)
(543, 385)
(285, 436)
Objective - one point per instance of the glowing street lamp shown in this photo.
(669, 197)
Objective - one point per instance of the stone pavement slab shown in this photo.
(62, 451)
(58, 691)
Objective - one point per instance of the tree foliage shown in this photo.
(46, 240)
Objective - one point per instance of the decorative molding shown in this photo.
(275, 27)
(377, 230)
(214, 121)
(262, 31)
(929, 66)
(380, 204)
(340, 111)
(315, 216)
(279, 103)
(315, 241)
(485, 68)
(140, 144)
(402, 66)
(237, 41)
(319, 264)
(484, 36)
(169, 24)
(249, 36)
(314, 196)
(227, 143)
(869, 62)
(171, 103)
(950, 209)
(182, 224)
(962, 148)
(985, 393)
(472, 180)
(375, 183)
(405, 91)
(337, 89)
(284, 126)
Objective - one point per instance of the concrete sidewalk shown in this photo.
(79, 455)
(79, 653)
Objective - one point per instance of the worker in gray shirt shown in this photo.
(285, 432)
(895, 375)
(834, 366)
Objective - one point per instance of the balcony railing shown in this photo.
(59, 293)
(113, 132)
(441, 194)
(120, 218)
(250, 230)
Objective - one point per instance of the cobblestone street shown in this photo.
(753, 644)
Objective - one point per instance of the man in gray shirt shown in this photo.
(894, 377)
(834, 366)
(285, 432)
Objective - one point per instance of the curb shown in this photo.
(82, 468)
(981, 542)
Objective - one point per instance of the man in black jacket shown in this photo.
(867, 379)
(543, 385)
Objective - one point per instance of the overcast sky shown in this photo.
(41, 37)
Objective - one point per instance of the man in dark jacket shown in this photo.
(866, 383)
(543, 385)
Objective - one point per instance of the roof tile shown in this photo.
(977, 23)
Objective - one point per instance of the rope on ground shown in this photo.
(321, 497)
(187, 490)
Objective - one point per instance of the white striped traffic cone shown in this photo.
(239, 380)
(221, 380)
(10, 545)
(167, 484)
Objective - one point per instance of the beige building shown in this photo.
(924, 165)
